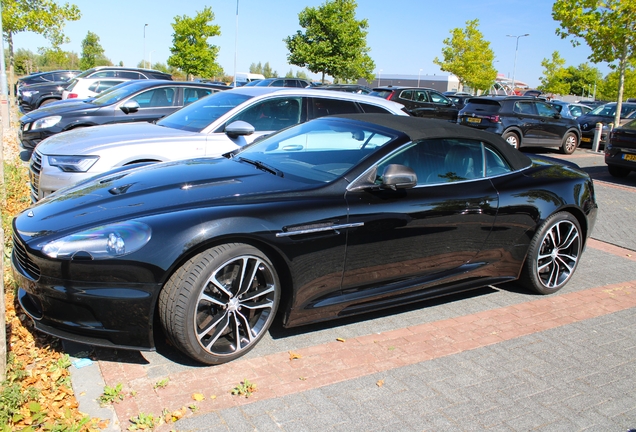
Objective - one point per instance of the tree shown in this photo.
(468, 56)
(91, 51)
(582, 79)
(608, 88)
(44, 17)
(334, 42)
(268, 72)
(607, 26)
(554, 79)
(190, 49)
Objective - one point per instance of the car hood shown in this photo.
(88, 140)
(157, 188)
(57, 109)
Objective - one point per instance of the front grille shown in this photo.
(22, 258)
(35, 167)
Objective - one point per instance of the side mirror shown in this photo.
(557, 116)
(239, 128)
(129, 107)
(398, 177)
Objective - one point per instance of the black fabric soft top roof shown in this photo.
(417, 128)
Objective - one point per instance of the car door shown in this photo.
(527, 120)
(426, 234)
(444, 107)
(551, 126)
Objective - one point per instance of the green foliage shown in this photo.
(144, 421)
(244, 388)
(111, 395)
(162, 383)
(608, 88)
(12, 397)
(608, 28)
(265, 70)
(190, 49)
(554, 79)
(468, 56)
(91, 51)
(334, 42)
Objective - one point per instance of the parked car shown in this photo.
(570, 109)
(459, 100)
(89, 87)
(280, 82)
(44, 78)
(522, 121)
(38, 95)
(602, 114)
(351, 88)
(140, 101)
(331, 218)
(211, 126)
(620, 151)
(420, 101)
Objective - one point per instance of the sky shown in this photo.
(404, 35)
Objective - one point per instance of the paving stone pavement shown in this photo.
(567, 361)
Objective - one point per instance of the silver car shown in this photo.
(210, 127)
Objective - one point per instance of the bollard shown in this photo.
(597, 137)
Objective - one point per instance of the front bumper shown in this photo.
(102, 314)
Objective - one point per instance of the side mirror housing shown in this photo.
(130, 106)
(239, 128)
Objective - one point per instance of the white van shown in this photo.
(243, 78)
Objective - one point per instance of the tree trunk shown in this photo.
(622, 67)
(11, 78)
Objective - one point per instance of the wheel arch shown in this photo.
(516, 131)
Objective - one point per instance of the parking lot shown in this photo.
(498, 358)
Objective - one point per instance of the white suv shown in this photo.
(211, 126)
(89, 87)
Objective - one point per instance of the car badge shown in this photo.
(30, 213)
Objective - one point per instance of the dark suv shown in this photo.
(419, 101)
(602, 114)
(522, 121)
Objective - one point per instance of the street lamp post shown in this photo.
(418, 78)
(144, 57)
(514, 67)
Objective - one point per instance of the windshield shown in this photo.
(118, 92)
(198, 115)
(318, 151)
(609, 110)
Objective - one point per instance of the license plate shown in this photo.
(586, 139)
(473, 120)
(629, 157)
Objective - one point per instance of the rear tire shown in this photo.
(46, 102)
(512, 139)
(553, 254)
(219, 304)
(570, 143)
(617, 171)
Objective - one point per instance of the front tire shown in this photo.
(570, 143)
(219, 304)
(512, 139)
(553, 254)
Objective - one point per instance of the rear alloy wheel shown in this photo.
(553, 254)
(219, 304)
(570, 143)
(512, 139)
(617, 171)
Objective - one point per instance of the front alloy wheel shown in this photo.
(553, 254)
(221, 303)
(512, 139)
(570, 143)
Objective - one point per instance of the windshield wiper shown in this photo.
(263, 167)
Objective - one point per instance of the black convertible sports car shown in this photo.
(338, 216)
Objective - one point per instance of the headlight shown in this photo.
(73, 163)
(108, 241)
(46, 122)
(29, 93)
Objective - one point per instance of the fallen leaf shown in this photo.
(293, 356)
(380, 383)
(198, 397)
(302, 378)
(340, 339)
(213, 397)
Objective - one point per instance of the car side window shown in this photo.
(272, 114)
(102, 74)
(368, 108)
(407, 95)
(323, 107)
(439, 99)
(193, 94)
(545, 110)
(438, 161)
(155, 98)
(576, 111)
(420, 96)
(130, 75)
(524, 107)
